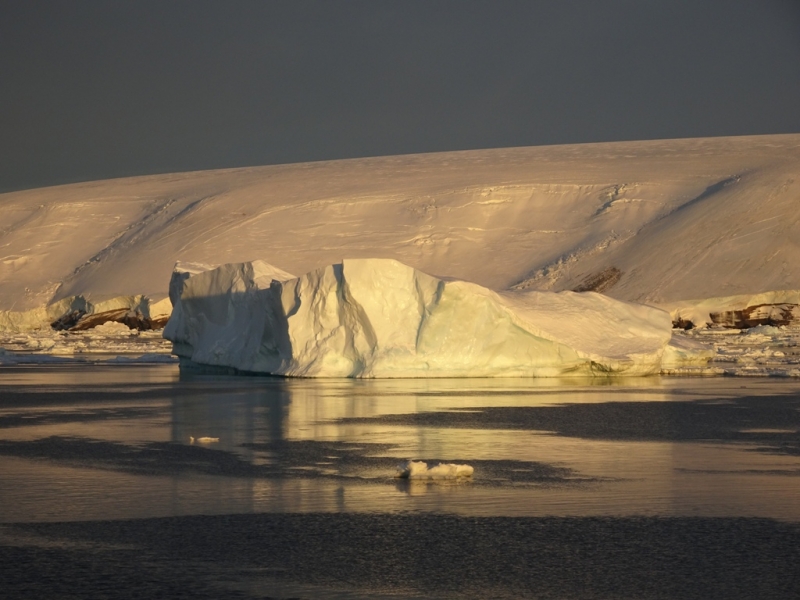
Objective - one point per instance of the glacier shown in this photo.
(379, 318)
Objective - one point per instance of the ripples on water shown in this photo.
(621, 462)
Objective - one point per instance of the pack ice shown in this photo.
(381, 318)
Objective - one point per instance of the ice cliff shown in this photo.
(77, 313)
(381, 318)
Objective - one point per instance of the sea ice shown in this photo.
(764, 351)
(413, 469)
(203, 440)
(94, 345)
(381, 318)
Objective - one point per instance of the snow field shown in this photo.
(655, 222)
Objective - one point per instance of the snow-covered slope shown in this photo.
(653, 221)
(381, 318)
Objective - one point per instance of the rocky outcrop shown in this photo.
(777, 308)
(133, 319)
(601, 281)
(77, 313)
(760, 314)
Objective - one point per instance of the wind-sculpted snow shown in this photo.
(381, 318)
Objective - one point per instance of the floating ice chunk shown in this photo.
(684, 352)
(40, 344)
(147, 358)
(765, 330)
(113, 328)
(381, 318)
(413, 469)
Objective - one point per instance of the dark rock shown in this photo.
(600, 282)
(682, 324)
(759, 314)
(132, 318)
(68, 320)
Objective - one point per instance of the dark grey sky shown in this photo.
(97, 89)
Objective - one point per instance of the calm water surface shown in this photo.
(114, 436)
(619, 462)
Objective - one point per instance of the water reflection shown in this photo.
(332, 445)
(254, 414)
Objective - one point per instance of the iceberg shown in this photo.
(379, 318)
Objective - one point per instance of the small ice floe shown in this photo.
(149, 357)
(113, 328)
(768, 330)
(203, 440)
(413, 469)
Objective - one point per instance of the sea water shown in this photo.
(615, 461)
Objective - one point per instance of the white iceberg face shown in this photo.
(226, 316)
(381, 318)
